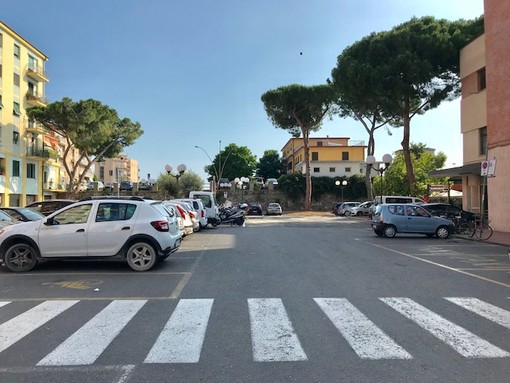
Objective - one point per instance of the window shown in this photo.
(16, 79)
(110, 172)
(332, 170)
(1, 40)
(345, 156)
(15, 168)
(32, 63)
(315, 156)
(316, 170)
(31, 171)
(0, 70)
(15, 109)
(115, 212)
(73, 215)
(483, 140)
(347, 170)
(15, 138)
(481, 79)
(319, 143)
(1, 105)
(16, 51)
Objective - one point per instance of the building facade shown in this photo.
(115, 170)
(329, 156)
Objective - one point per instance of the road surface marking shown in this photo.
(15, 329)
(3, 303)
(272, 334)
(486, 310)
(366, 339)
(183, 336)
(464, 342)
(86, 344)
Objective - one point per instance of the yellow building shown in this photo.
(22, 154)
(329, 156)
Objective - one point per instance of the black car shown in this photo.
(448, 211)
(23, 214)
(126, 185)
(49, 206)
(254, 209)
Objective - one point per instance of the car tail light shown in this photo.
(202, 213)
(182, 212)
(191, 214)
(160, 225)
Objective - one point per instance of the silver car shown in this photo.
(390, 219)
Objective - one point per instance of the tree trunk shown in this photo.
(308, 177)
(405, 148)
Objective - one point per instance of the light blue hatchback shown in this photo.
(390, 219)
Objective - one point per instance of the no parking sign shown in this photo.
(488, 168)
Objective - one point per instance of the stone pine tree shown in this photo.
(233, 161)
(300, 110)
(94, 129)
(416, 65)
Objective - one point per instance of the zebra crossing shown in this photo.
(273, 334)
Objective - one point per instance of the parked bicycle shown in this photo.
(477, 227)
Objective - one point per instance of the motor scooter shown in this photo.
(233, 215)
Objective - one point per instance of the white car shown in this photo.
(188, 223)
(137, 230)
(363, 209)
(199, 207)
(272, 181)
(274, 208)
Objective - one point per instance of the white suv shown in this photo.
(137, 230)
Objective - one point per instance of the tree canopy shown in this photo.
(178, 188)
(270, 165)
(233, 161)
(300, 110)
(89, 126)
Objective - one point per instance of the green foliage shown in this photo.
(293, 185)
(234, 161)
(89, 126)
(270, 165)
(173, 188)
(394, 181)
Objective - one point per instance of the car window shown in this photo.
(206, 200)
(73, 215)
(109, 211)
(396, 209)
(398, 200)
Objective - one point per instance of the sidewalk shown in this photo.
(499, 238)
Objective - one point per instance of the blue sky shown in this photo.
(192, 72)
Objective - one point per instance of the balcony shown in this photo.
(47, 154)
(34, 127)
(37, 73)
(35, 100)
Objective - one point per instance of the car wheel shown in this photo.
(359, 213)
(20, 257)
(390, 231)
(347, 213)
(141, 256)
(442, 232)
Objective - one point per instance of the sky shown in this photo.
(192, 72)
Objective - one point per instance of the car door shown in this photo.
(418, 220)
(111, 226)
(65, 234)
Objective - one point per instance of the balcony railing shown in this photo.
(34, 99)
(37, 72)
(42, 153)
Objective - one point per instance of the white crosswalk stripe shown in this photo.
(182, 338)
(486, 310)
(102, 328)
(464, 342)
(273, 337)
(272, 334)
(22, 325)
(366, 339)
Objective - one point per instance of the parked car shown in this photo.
(188, 223)
(259, 181)
(345, 208)
(6, 219)
(390, 219)
(254, 209)
(126, 185)
(448, 211)
(199, 207)
(274, 208)
(362, 209)
(193, 214)
(136, 230)
(23, 214)
(92, 185)
(272, 181)
(50, 206)
(180, 221)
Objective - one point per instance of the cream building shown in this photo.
(116, 170)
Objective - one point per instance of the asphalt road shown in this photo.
(284, 299)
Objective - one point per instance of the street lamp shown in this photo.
(343, 184)
(240, 183)
(180, 171)
(213, 165)
(387, 159)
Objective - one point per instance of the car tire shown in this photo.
(390, 231)
(20, 257)
(359, 213)
(442, 232)
(347, 213)
(141, 256)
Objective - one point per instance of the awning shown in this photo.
(457, 172)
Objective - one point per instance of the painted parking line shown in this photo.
(273, 337)
(484, 309)
(79, 349)
(22, 325)
(3, 303)
(461, 340)
(183, 335)
(365, 338)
